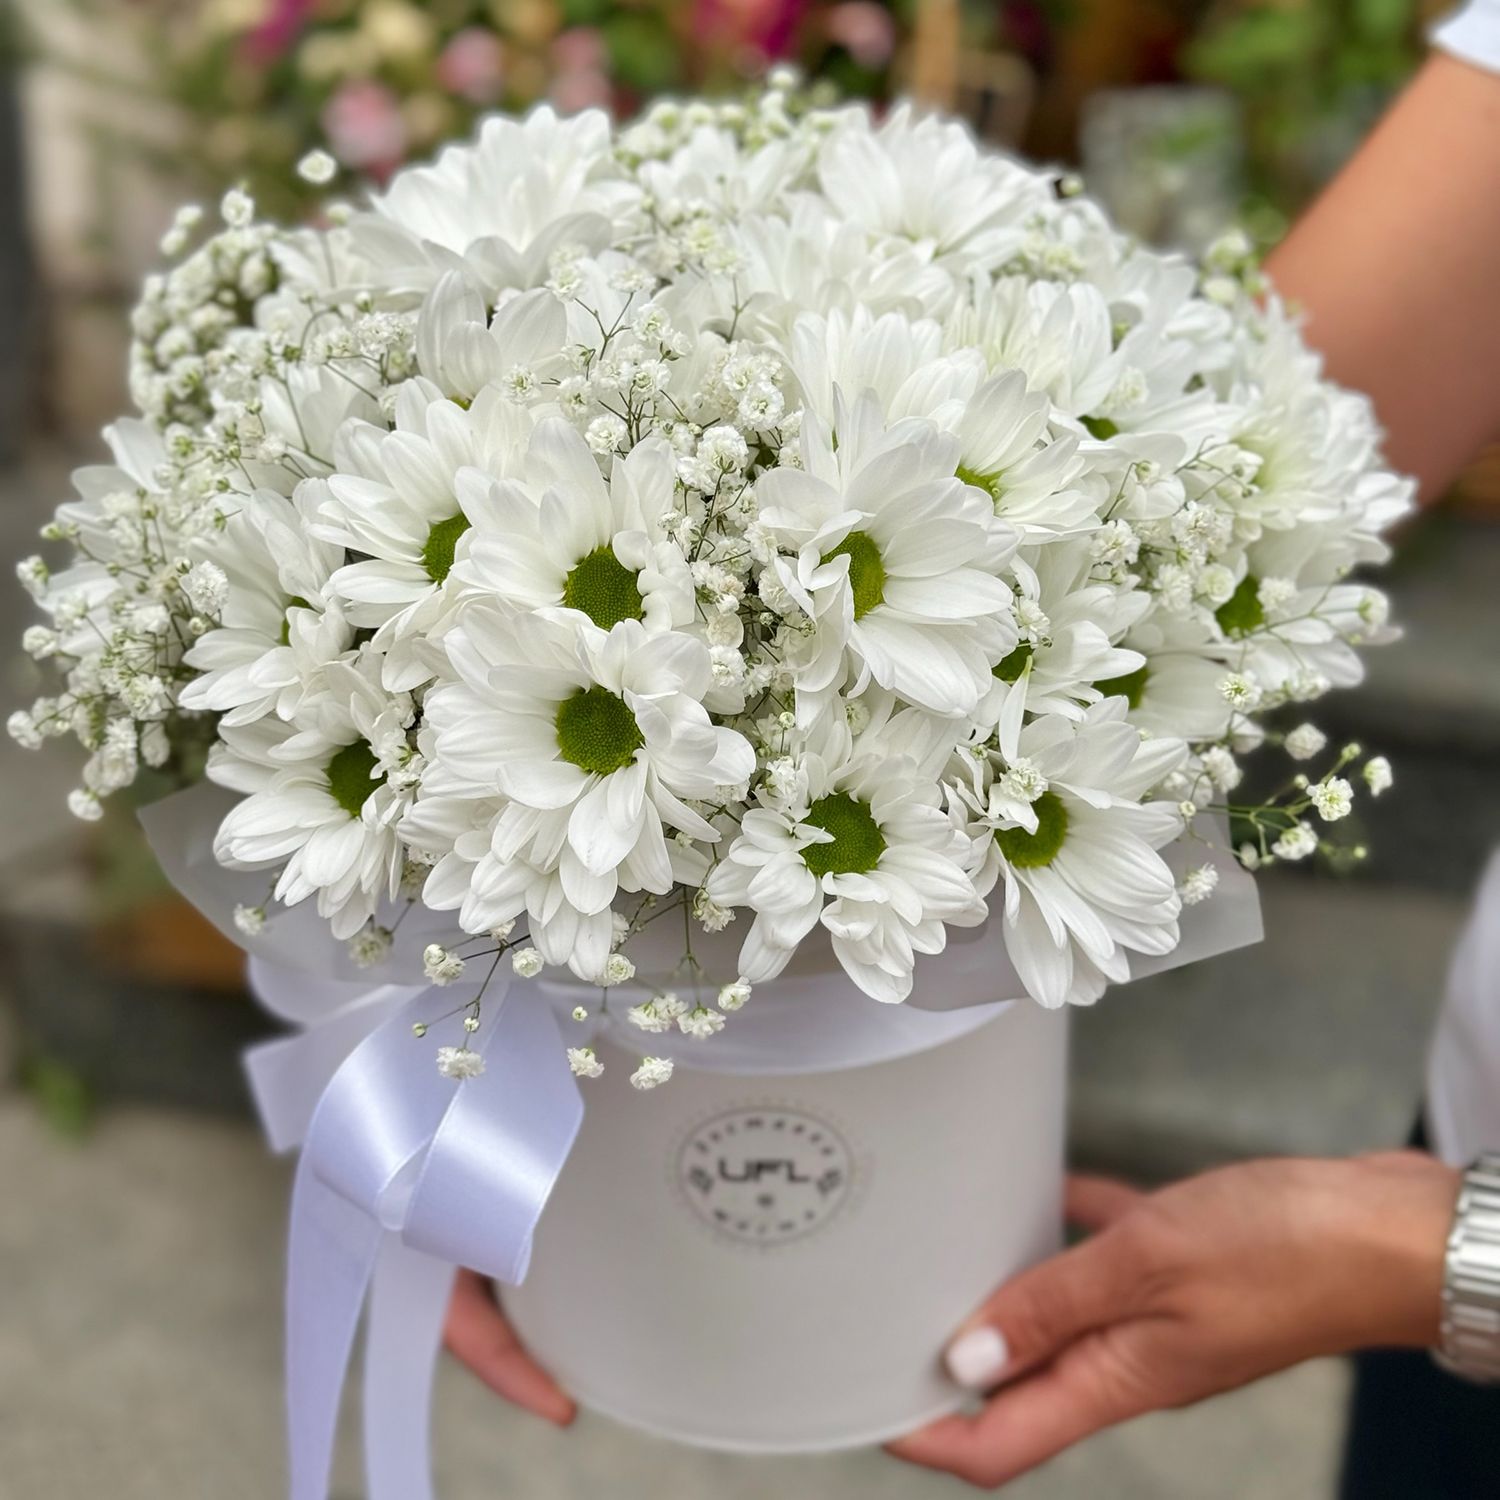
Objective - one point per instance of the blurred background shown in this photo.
(140, 1245)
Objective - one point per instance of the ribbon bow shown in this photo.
(404, 1175)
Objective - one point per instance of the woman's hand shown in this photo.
(1193, 1290)
(478, 1335)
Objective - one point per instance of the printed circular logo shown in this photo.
(765, 1175)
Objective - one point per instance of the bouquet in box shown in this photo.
(796, 520)
(761, 535)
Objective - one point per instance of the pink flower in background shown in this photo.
(472, 65)
(767, 27)
(865, 30)
(581, 81)
(364, 127)
(274, 35)
(580, 49)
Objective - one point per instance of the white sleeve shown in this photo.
(1472, 32)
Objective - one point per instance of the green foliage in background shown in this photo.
(1311, 77)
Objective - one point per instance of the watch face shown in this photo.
(764, 1174)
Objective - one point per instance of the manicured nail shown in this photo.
(977, 1358)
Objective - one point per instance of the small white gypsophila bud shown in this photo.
(22, 728)
(857, 715)
(471, 1024)
(33, 573)
(724, 448)
(648, 1016)
(1305, 741)
(1296, 843)
(1187, 810)
(1334, 798)
(85, 805)
(580, 1013)
(419, 1029)
(1022, 780)
(1216, 583)
(732, 997)
(526, 962)
(1241, 691)
(39, 642)
(459, 1063)
(1275, 594)
(1221, 768)
(583, 1062)
(250, 920)
(237, 208)
(700, 1023)
(206, 587)
(1353, 749)
(709, 914)
(618, 969)
(652, 1072)
(370, 946)
(1377, 774)
(1198, 885)
(606, 434)
(440, 965)
(503, 930)
(318, 168)
(1249, 856)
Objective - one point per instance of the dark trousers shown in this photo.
(1418, 1433)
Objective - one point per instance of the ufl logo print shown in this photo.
(764, 1174)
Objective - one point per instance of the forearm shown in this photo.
(1397, 268)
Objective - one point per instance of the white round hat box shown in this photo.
(774, 1264)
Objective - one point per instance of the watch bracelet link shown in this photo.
(1470, 1342)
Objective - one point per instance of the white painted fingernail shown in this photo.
(976, 1359)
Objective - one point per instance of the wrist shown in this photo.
(1396, 1246)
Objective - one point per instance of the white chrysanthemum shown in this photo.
(595, 741)
(869, 853)
(1068, 653)
(561, 534)
(279, 626)
(1082, 883)
(896, 564)
(324, 797)
(503, 205)
(462, 346)
(924, 181)
(403, 502)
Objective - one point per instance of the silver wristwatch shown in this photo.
(1470, 1344)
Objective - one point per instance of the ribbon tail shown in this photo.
(329, 1265)
(408, 1303)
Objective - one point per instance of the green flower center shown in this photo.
(1100, 427)
(442, 540)
(597, 732)
(989, 483)
(295, 602)
(1130, 687)
(857, 840)
(349, 778)
(1030, 851)
(603, 588)
(1010, 666)
(1242, 612)
(866, 570)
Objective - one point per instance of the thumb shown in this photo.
(1036, 1315)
